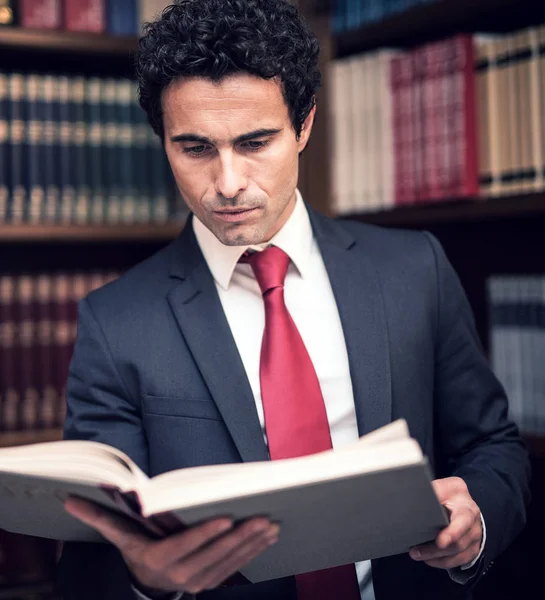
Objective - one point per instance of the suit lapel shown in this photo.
(200, 316)
(357, 291)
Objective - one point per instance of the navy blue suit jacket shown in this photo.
(156, 373)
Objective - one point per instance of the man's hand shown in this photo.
(197, 559)
(459, 543)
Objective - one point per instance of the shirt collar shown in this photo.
(295, 239)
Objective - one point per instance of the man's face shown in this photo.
(234, 154)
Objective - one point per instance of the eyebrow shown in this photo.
(245, 137)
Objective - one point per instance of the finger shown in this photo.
(457, 560)
(431, 551)
(463, 520)
(242, 555)
(115, 528)
(178, 546)
(241, 561)
(222, 548)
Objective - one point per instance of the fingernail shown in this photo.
(260, 526)
(225, 526)
(415, 554)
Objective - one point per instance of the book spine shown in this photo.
(121, 17)
(5, 147)
(9, 394)
(62, 334)
(40, 14)
(95, 141)
(79, 136)
(419, 57)
(524, 77)
(51, 154)
(27, 366)
(541, 37)
(482, 65)
(46, 385)
(84, 15)
(34, 146)
(466, 171)
(110, 155)
(387, 133)
(125, 142)
(537, 117)
(397, 122)
(18, 190)
(66, 155)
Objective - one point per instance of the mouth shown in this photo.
(235, 215)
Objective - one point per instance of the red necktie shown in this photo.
(295, 416)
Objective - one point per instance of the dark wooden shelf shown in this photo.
(16, 38)
(22, 438)
(481, 209)
(439, 19)
(88, 233)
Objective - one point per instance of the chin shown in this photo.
(240, 236)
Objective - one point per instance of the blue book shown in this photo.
(5, 159)
(121, 17)
(51, 149)
(18, 189)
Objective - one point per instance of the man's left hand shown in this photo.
(459, 543)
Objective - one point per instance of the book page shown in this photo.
(199, 485)
(80, 461)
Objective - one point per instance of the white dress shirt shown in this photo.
(311, 303)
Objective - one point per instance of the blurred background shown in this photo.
(431, 116)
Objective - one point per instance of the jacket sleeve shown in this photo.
(99, 408)
(474, 438)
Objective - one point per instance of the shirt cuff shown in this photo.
(459, 575)
(141, 596)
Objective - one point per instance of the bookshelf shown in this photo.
(456, 212)
(85, 44)
(21, 438)
(435, 20)
(45, 234)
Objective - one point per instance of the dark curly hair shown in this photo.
(217, 38)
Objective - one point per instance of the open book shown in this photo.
(370, 499)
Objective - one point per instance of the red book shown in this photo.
(436, 119)
(419, 57)
(9, 391)
(85, 15)
(40, 14)
(27, 356)
(62, 340)
(49, 401)
(464, 168)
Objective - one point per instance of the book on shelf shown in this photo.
(461, 118)
(516, 307)
(38, 324)
(370, 499)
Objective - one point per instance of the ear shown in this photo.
(306, 130)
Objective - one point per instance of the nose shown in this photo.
(230, 178)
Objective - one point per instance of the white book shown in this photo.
(371, 499)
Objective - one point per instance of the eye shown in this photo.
(196, 150)
(254, 145)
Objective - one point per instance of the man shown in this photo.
(263, 319)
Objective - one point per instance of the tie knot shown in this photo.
(270, 267)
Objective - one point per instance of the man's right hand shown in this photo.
(197, 559)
